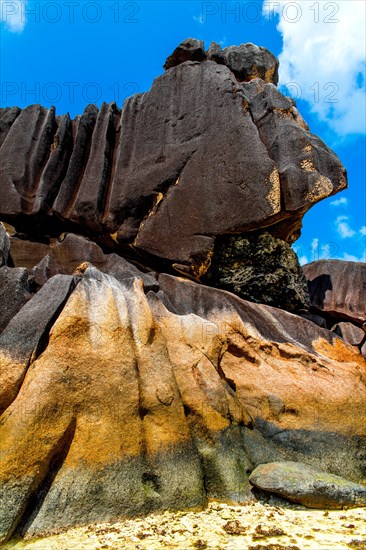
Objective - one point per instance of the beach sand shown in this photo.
(254, 526)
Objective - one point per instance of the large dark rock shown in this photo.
(14, 293)
(338, 290)
(246, 61)
(189, 50)
(198, 156)
(63, 256)
(26, 335)
(260, 268)
(7, 117)
(308, 485)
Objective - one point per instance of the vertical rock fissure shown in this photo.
(40, 152)
(82, 142)
(115, 134)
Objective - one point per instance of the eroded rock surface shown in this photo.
(352, 335)
(64, 255)
(308, 485)
(338, 295)
(338, 289)
(212, 149)
(14, 293)
(125, 389)
(136, 402)
(189, 50)
(261, 268)
(246, 61)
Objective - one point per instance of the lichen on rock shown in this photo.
(260, 268)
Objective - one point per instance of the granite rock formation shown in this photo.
(246, 61)
(154, 179)
(352, 335)
(308, 485)
(64, 255)
(189, 50)
(119, 402)
(261, 268)
(338, 295)
(338, 289)
(124, 388)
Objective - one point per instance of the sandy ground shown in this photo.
(255, 526)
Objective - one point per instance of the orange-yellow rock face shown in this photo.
(135, 402)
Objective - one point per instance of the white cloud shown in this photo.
(12, 14)
(199, 18)
(363, 230)
(343, 227)
(323, 57)
(303, 260)
(326, 252)
(353, 258)
(340, 202)
(314, 245)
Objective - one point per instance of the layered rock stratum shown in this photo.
(124, 388)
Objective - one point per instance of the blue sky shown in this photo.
(71, 53)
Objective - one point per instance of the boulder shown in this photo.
(25, 336)
(139, 181)
(308, 485)
(260, 268)
(246, 61)
(134, 403)
(352, 335)
(338, 290)
(317, 319)
(188, 50)
(64, 255)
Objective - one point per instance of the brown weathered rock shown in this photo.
(246, 61)
(338, 290)
(308, 485)
(139, 403)
(189, 50)
(351, 334)
(63, 256)
(141, 180)
(124, 392)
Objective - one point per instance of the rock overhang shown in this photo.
(208, 151)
